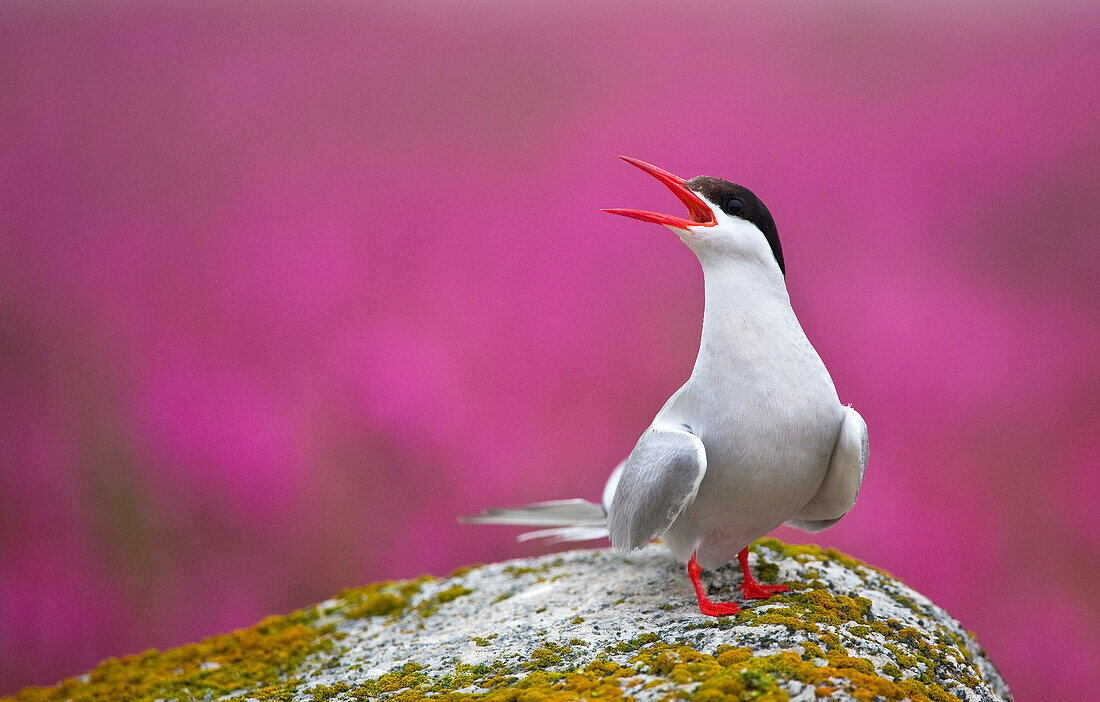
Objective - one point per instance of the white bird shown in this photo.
(755, 438)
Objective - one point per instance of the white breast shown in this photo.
(765, 408)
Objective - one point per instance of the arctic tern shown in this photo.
(755, 438)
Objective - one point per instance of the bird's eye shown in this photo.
(734, 206)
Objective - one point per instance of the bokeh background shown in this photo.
(286, 288)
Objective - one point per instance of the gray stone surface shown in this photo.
(573, 624)
(579, 625)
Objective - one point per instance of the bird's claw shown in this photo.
(710, 609)
(753, 590)
(718, 609)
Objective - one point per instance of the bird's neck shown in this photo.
(742, 299)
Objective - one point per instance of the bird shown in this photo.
(755, 438)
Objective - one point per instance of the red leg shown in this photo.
(711, 609)
(751, 589)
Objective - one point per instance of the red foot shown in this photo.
(718, 609)
(711, 609)
(755, 591)
(751, 589)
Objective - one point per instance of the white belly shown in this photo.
(768, 415)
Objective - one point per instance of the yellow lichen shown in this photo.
(376, 604)
(812, 651)
(803, 611)
(453, 593)
(322, 693)
(804, 553)
(256, 659)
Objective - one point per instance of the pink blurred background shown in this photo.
(286, 288)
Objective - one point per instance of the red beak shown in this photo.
(699, 210)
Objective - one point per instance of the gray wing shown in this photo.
(838, 491)
(658, 480)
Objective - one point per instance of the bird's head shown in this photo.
(724, 219)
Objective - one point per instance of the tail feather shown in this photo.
(555, 513)
(570, 520)
(559, 535)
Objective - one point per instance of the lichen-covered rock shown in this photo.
(582, 624)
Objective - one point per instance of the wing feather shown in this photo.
(659, 479)
(838, 491)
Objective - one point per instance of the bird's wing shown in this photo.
(611, 486)
(658, 480)
(840, 487)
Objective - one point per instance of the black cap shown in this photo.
(738, 201)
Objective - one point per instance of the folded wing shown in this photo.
(839, 489)
(659, 479)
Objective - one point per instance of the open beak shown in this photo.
(698, 210)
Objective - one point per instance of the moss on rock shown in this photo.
(261, 660)
(580, 625)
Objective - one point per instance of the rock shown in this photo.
(578, 625)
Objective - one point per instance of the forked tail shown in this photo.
(566, 520)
